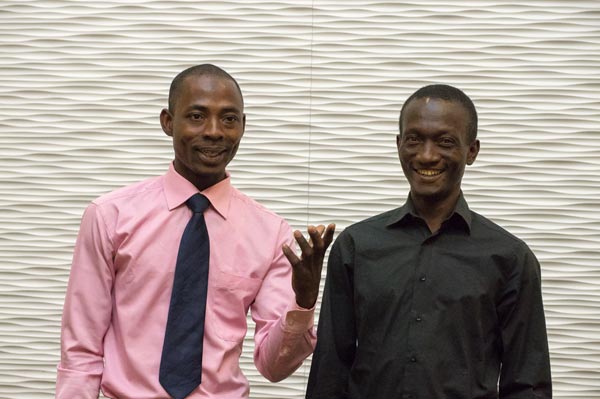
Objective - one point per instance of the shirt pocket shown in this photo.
(231, 298)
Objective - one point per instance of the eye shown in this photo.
(231, 119)
(447, 142)
(196, 116)
(411, 139)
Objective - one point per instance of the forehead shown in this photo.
(209, 90)
(435, 111)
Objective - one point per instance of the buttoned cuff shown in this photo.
(299, 320)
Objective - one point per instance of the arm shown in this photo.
(284, 317)
(336, 345)
(87, 311)
(525, 372)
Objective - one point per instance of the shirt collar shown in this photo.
(178, 189)
(408, 211)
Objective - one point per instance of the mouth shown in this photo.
(211, 151)
(429, 172)
(214, 154)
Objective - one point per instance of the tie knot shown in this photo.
(197, 203)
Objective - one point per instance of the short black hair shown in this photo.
(198, 70)
(447, 93)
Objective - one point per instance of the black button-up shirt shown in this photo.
(456, 314)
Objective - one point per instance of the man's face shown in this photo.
(434, 148)
(207, 124)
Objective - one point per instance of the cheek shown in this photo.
(405, 164)
(183, 138)
(235, 136)
(458, 171)
(405, 156)
(234, 142)
(181, 146)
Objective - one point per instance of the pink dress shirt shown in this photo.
(119, 291)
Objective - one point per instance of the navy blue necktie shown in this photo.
(181, 362)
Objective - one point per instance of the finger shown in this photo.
(305, 247)
(328, 236)
(290, 255)
(322, 238)
(315, 235)
(310, 230)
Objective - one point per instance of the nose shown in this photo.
(428, 153)
(213, 129)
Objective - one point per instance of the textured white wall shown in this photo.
(82, 83)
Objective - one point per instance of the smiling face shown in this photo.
(434, 148)
(207, 123)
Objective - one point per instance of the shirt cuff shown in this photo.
(77, 384)
(299, 320)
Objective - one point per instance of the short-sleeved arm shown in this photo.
(87, 310)
(284, 334)
(336, 344)
(525, 372)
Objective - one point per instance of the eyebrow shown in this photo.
(438, 134)
(197, 107)
(231, 109)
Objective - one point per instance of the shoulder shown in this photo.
(249, 208)
(365, 230)
(135, 200)
(372, 223)
(509, 253)
(487, 231)
(132, 192)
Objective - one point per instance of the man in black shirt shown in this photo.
(432, 300)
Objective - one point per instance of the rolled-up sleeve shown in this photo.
(284, 334)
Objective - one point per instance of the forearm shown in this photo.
(527, 376)
(77, 384)
(288, 342)
(334, 353)
(81, 366)
(336, 346)
(525, 369)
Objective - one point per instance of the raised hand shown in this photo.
(306, 270)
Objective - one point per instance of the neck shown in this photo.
(434, 210)
(204, 182)
(201, 181)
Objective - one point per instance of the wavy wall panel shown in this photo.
(82, 84)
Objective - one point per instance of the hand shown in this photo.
(306, 271)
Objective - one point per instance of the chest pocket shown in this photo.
(231, 296)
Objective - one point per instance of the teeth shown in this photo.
(211, 152)
(429, 172)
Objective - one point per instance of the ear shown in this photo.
(473, 151)
(398, 141)
(243, 123)
(166, 122)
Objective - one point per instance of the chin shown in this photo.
(430, 195)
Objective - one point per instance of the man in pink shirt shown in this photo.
(121, 281)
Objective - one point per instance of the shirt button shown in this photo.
(422, 278)
(418, 318)
(413, 359)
